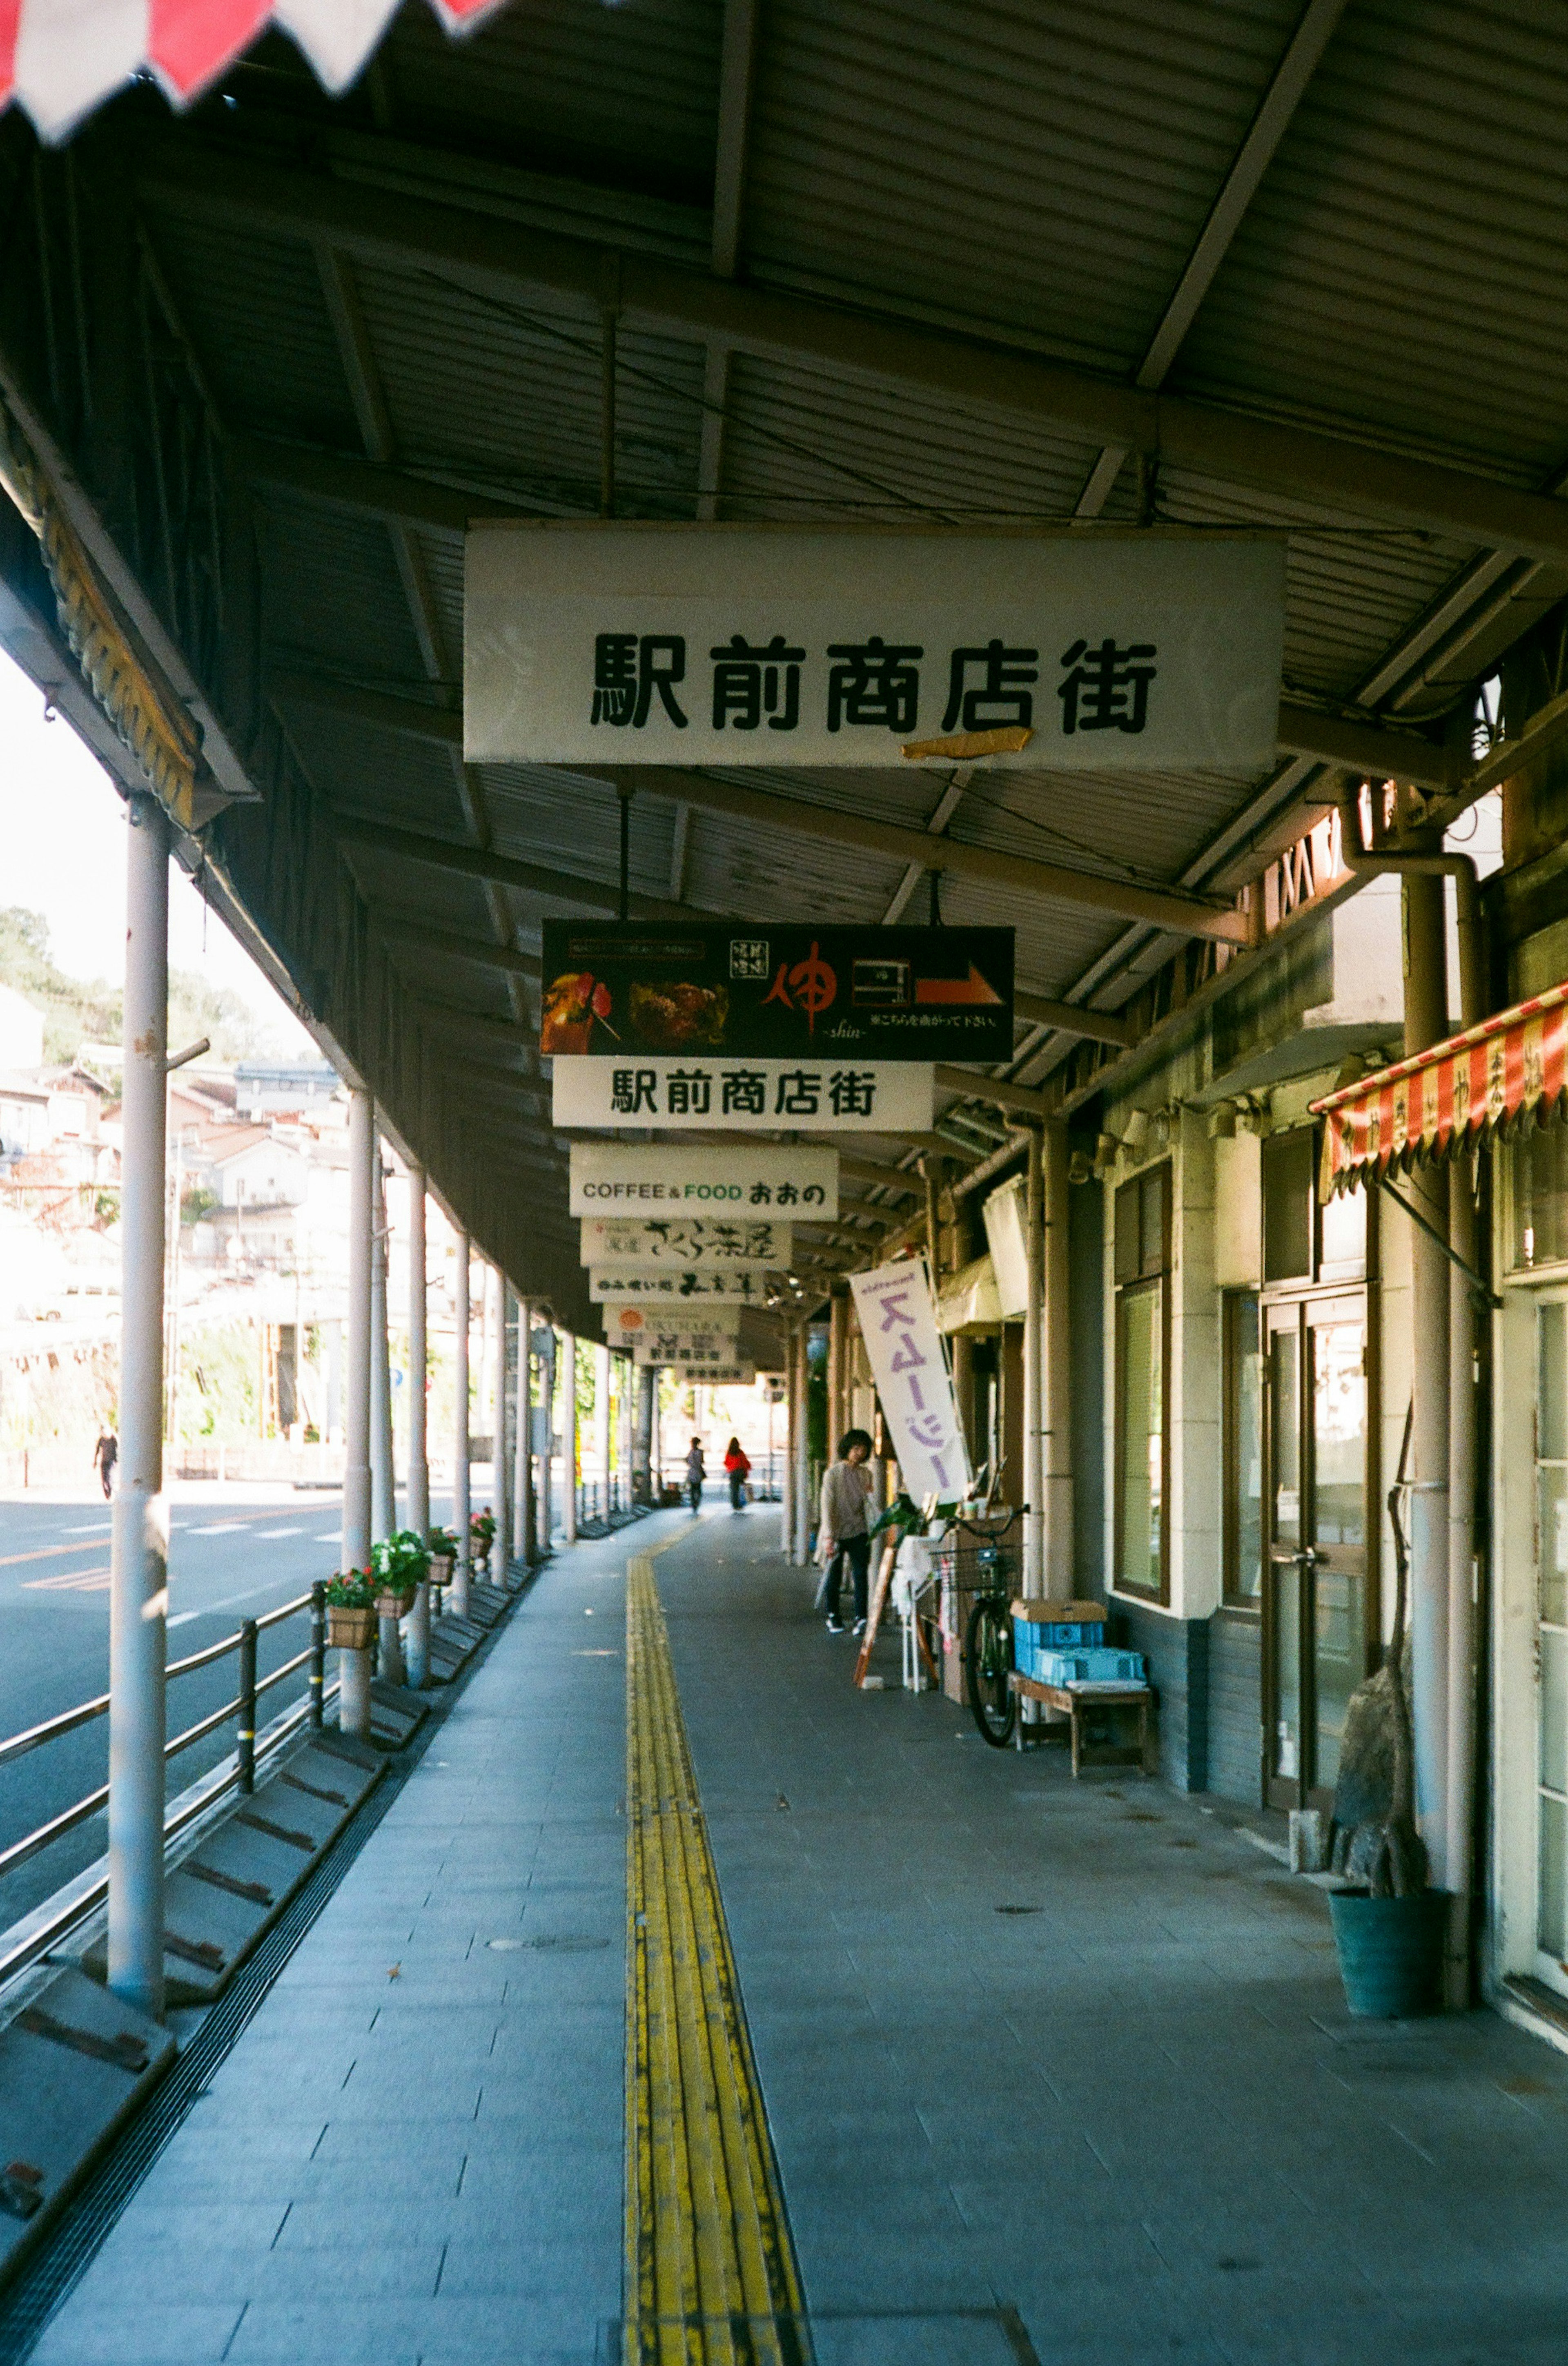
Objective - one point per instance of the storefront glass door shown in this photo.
(1315, 1604)
(1551, 1637)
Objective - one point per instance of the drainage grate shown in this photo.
(47, 2282)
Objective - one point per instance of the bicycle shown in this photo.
(987, 1635)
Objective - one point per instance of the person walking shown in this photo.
(842, 1530)
(738, 1468)
(105, 1454)
(695, 1472)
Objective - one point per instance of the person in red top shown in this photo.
(737, 1468)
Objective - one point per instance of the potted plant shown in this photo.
(351, 1609)
(402, 1563)
(1389, 1925)
(444, 1555)
(482, 1535)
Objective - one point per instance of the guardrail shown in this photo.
(240, 1774)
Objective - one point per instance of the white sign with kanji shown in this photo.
(830, 1095)
(625, 1326)
(669, 1178)
(661, 1287)
(1143, 650)
(698, 1243)
(898, 1322)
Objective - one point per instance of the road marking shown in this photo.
(218, 1528)
(88, 1528)
(44, 1552)
(73, 1581)
(280, 1532)
(329, 1537)
(711, 2276)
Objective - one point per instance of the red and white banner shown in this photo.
(60, 58)
(1433, 1102)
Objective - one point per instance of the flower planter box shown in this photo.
(349, 1631)
(441, 1567)
(395, 1605)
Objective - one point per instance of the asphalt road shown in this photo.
(234, 1553)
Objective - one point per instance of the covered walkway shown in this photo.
(1052, 2071)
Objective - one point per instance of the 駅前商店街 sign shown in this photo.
(1150, 649)
(827, 1095)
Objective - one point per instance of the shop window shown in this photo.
(1302, 1242)
(1143, 1391)
(1540, 1198)
(1243, 1383)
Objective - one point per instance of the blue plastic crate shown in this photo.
(1087, 1666)
(1032, 1636)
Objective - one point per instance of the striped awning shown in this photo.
(1512, 1065)
(60, 58)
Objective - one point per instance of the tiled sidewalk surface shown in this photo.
(1137, 2113)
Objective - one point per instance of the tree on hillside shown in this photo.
(77, 1010)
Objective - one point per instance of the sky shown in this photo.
(55, 798)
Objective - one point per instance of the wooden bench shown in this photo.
(1075, 1703)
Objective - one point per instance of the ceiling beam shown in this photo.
(401, 928)
(475, 862)
(1252, 159)
(492, 254)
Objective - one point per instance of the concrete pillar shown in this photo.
(569, 1439)
(1426, 1022)
(527, 1549)
(805, 1509)
(417, 1633)
(353, 1667)
(501, 1551)
(461, 1504)
(382, 1474)
(1034, 1375)
(1056, 1380)
(138, 1551)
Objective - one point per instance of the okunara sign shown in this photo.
(898, 1323)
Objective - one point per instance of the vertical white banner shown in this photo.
(898, 1323)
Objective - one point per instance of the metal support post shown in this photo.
(787, 1478)
(1056, 1377)
(549, 1366)
(500, 1551)
(523, 1453)
(461, 1504)
(245, 1737)
(601, 1421)
(1426, 1022)
(316, 1679)
(139, 1597)
(1033, 1376)
(803, 1505)
(383, 1483)
(418, 1634)
(353, 1671)
(569, 1439)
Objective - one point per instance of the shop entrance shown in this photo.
(1551, 1637)
(1316, 1589)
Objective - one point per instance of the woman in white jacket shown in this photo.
(842, 1530)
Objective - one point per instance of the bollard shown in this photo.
(246, 1737)
(317, 1683)
(416, 1638)
(353, 1694)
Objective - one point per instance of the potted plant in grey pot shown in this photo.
(1389, 1923)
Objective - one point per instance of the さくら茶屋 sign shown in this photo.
(1147, 650)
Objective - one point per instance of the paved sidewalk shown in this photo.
(1132, 2109)
(414, 2152)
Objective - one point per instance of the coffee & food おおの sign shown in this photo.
(827, 1095)
(898, 1323)
(783, 991)
(728, 645)
(669, 1178)
(698, 1243)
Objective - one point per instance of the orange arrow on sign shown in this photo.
(972, 988)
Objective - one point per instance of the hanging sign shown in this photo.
(719, 1375)
(665, 1179)
(777, 990)
(664, 1289)
(626, 1325)
(699, 1243)
(898, 1323)
(1146, 649)
(829, 1094)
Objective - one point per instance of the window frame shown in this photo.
(1249, 1604)
(1153, 1277)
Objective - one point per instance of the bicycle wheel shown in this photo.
(988, 1663)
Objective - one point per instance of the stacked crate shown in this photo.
(1064, 1643)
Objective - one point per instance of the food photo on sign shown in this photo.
(777, 991)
